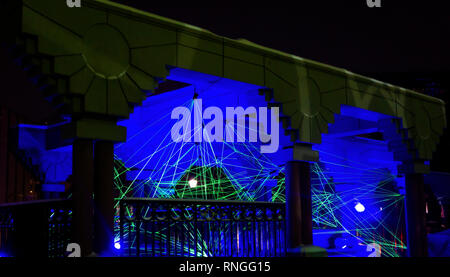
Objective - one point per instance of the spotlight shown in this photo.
(192, 183)
(117, 245)
(360, 207)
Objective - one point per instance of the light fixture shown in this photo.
(192, 183)
(360, 207)
(117, 245)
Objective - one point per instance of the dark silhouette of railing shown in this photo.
(35, 228)
(201, 228)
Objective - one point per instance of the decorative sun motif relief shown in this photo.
(310, 97)
(309, 107)
(314, 115)
(98, 54)
(424, 121)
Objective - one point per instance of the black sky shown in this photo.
(405, 38)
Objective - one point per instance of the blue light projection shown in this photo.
(358, 198)
(153, 163)
(150, 164)
(357, 195)
(55, 164)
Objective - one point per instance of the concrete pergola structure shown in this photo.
(99, 61)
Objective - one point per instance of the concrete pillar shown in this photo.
(82, 189)
(103, 196)
(298, 204)
(415, 215)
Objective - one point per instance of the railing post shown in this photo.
(122, 218)
(231, 222)
(195, 229)
(137, 216)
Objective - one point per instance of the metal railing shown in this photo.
(35, 228)
(201, 228)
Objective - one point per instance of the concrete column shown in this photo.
(298, 204)
(415, 215)
(103, 199)
(82, 189)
